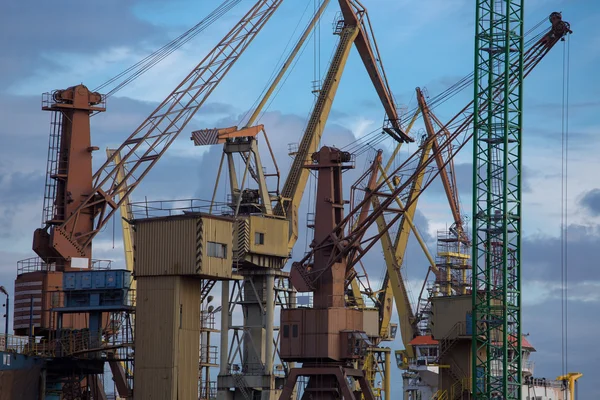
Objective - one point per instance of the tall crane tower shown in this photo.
(497, 214)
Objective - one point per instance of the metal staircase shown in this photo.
(242, 386)
(450, 338)
(455, 392)
(207, 285)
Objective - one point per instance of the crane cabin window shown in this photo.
(259, 238)
(217, 250)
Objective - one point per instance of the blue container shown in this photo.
(96, 280)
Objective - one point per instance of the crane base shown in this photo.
(331, 383)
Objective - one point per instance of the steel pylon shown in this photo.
(496, 366)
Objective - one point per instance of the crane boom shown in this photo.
(352, 245)
(394, 255)
(447, 175)
(295, 183)
(144, 147)
(352, 30)
(366, 45)
(126, 214)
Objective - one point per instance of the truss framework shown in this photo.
(497, 200)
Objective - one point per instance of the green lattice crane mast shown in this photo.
(497, 200)
(500, 66)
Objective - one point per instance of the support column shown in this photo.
(386, 375)
(224, 328)
(269, 317)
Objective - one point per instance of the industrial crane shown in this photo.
(351, 244)
(353, 28)
(258, 269)
(497, 212)
(338, 246)
(65, 238)
(78, 204)
(328, 337)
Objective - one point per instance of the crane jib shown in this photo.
(146, 145)
(448, 146)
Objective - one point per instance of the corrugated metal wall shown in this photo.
(167, 338)
(41, 290)
(219, 231)
(165, 247)
(188, 348)
(275, 236)
(176, 246)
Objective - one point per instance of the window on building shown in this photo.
(286, 331)
(433, 351)
(218, 250)
(259, 238)
(294, 330)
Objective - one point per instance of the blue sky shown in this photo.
(425, 44)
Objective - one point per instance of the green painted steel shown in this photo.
(496, 358)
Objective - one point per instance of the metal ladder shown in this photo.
(55, 169)
(309, 133)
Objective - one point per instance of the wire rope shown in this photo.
(564, 228)
(136, 70)
(371, 138)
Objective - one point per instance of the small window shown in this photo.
(218, 250)
(294, 330)
(286, 331)
(259, 238)
(55, 299)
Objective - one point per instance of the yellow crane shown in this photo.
(394, 252)
(355, 29)
(119, 369)
(125, 211)
(570, 378)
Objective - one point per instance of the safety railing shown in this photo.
(207, 320)
(459, 388)
(247, 369)
(528, 366)
(207, 390)
(34, 264)
(208, 355)
(424, 361)
(166, 208)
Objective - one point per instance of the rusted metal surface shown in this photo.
(36, 294)
(146, 145)
(69, 179)
(328, 337)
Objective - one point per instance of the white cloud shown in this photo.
(361, 125)
(537, 292)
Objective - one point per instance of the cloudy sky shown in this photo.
(48, 46)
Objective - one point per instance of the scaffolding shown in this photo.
(207, 388)
(453, 261)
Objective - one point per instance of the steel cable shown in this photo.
(136, 70)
